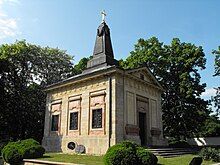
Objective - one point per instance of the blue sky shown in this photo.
(71, 25)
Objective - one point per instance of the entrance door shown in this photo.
(143, 128)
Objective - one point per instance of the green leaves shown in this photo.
(24, 70)
(82, 64)
(176, 66)
(217, 61)
(216, 98)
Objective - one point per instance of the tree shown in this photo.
(24, 70)
(81, 66)
(211, 127)
(217, 61)
(216, 98)
(176, 67)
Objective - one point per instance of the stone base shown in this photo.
(93, 145)
(157, 141)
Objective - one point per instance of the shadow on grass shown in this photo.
(46, 156)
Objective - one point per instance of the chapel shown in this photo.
(103, 106)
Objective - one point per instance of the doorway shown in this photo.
(143, 128)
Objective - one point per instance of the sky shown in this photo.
(71, 25)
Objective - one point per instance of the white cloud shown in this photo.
(8, 25)
(208, 93)
(11, 2)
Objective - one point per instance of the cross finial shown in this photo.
(103, 15)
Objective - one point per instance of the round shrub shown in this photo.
(10, 153)
(30, 148)
(129, 153)
(27, 143)
(15, 152)
(205, 153)
(2, 145)
(210, 154)
(146, 157)
(33, 152)
(121, 154)
(128, 143)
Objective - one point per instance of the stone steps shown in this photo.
(172, 152)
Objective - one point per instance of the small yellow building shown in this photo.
(103, 106)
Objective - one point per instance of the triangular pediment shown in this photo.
(144, 74)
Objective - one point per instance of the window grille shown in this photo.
(97, 118)
(74, 121)
(55, 121)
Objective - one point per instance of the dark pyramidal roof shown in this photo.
(103, 53)
(102, 60)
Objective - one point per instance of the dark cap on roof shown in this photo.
(103, 53)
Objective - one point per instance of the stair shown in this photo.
(172, 152)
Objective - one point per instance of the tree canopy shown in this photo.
(81, 66)
(216, 98)
(176, 67)
(24, 69)
(217, 61)
(211, 128)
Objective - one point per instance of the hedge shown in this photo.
(15, 152)
(129, 153)
(210, 154)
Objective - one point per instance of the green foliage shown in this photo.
(211, 127)
(196, 161)
(10, 153)
(128, 143)
(81, 66)
(2, 145)
(30, 148)
(128, 153)
(146, 157)
(33, 152)
(120, 154)
(15, 152)
(216, 98)
(217, 61)
(210, 154)
(179, 144)
(24, 70)
(176, 66)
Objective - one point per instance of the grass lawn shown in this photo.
(98, 160)
(73, 158)
(180, 160)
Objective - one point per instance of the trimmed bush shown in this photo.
(196, 161)
(10, 153)
(179, 144)
(15, 152)
(210, 154)
(121, 154)
(30, 149)
(129, 153)
(28, 142)
(2, 145)
(146, 157)
(33, 152)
